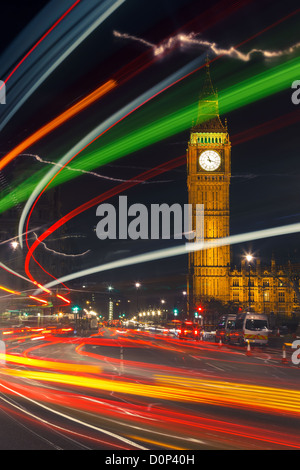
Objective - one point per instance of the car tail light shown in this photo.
(196, 332)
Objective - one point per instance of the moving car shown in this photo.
(189, 330)
(250, 327)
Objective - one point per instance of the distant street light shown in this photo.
(14, 245)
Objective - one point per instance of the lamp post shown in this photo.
(249, 258)
(137, 285)
(110, 305)
(184, 293)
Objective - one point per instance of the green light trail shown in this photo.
(262, 85)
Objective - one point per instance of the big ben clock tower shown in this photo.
(208, 180)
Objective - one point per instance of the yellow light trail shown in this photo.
(58, 121)
(157, 443)
(181, 389)
(53, 365)
(10, 291)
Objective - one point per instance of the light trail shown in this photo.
(143, 65)
(165, 387)
(144, 176)
(98, 132)
(138, 67)
(70, 418)
(40, 41)
(83, 172)
(125, 74)
(59, 253)
(165, 421)
(178, 251)
(258, 87)
(10, 291)
(58, 121)
(264, 84)
(28, 220)
(59, 51)
(38, 300)
(51, 365)
(270, 126)
(192, 38)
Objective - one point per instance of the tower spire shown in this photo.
(208, 89)
(208, 119)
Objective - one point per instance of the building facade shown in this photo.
(211, 275)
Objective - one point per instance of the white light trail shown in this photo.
(59, 252)
(192, 39)
(133, 38)
(63, 415)
(92, 173)
(62, 44)
(6, 268)
(231, 52)
(180, 250)
(103, 127)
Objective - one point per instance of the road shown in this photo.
(142, 390)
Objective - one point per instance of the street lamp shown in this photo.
(249, 258)
(110, 305)
(137, 285)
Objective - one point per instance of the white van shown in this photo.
(250, 327)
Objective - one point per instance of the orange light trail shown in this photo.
(127, 72)
(38, 300)
(63, 298)
(73, 213)
(58, 121)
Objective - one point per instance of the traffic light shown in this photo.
(175, 311)
(75, 309)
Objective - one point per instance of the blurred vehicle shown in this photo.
(250, 327)
(189, 330)
(225, 325)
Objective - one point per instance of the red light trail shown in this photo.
(66, 218)
(39, 41)
(269, 127)
(126, 73)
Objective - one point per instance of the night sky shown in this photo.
(265, 189)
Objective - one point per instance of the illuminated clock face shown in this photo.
(210, 160)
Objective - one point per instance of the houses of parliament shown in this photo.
(269, 288)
